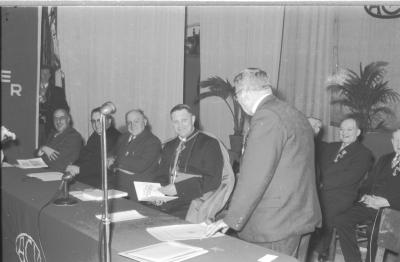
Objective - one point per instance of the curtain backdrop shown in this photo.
(316, 41)
(307, 60)
(363, 38)
(132, 56)
(232, 39)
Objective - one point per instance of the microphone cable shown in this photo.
(56, 194)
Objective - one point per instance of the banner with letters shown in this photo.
(19, 78)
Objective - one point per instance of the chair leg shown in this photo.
(332, 247)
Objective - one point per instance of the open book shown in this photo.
(164, 252)
(31, 163)
(149, 192)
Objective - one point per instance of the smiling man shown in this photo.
(63, 144)
(381, 189)
(136, 154)
(342, 165)
(191, 163)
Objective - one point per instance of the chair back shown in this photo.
(389, 234)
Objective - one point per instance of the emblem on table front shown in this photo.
(27, 249)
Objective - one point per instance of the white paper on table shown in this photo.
(47, 176)
(31, 163)
(164, 252)
(180, 232)
(123, 216)
(6, 164)
(146, 191)
(267, 258)
(97, 194)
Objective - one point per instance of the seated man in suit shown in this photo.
(191, 163)
(88, 166)
(342, 166)
(63, 144)
(136, 154)
(381, 189)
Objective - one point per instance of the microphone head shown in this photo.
(67, 176)
(108, 108)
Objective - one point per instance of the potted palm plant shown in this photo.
(216, 86)
(366, 95)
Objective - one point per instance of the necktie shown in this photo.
(340, 153)
(396, 160)
(131, 138)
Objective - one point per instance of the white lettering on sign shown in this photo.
(27, 249)
(5, 76)
(15, 89)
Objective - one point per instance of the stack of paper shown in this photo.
(123, 216)
(31, 163)
(97, 194)
(180, 232)
(149, 192)
(47, 176)
(164, 252)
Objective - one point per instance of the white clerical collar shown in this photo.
(257, 103)
(193, 134)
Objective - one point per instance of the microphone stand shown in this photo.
(106, 217)
(65, 200)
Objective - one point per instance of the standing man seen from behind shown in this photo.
(63, 144)
(88, 166)
(275, 202)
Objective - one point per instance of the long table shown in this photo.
(71, 233)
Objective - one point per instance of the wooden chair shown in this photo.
(362, 236)
(389, 234)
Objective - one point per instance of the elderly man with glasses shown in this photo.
(63, 144)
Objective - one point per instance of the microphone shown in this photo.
(65, 200)
(108, 108)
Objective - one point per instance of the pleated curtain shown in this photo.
(132, 56)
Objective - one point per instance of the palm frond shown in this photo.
(365, 93)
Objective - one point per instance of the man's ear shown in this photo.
(193, 119)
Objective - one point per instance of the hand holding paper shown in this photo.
(150, 192)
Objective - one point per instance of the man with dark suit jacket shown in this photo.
(342, 166)
(88, 166)
(275, 202)
(381, 189)
(136, 154)
(63, 144)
